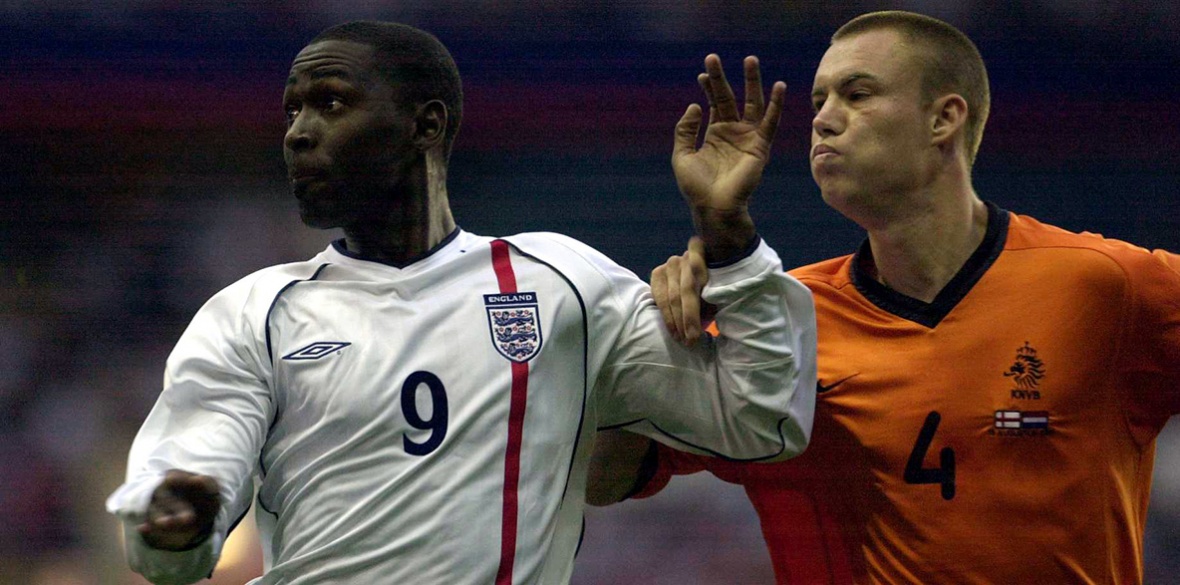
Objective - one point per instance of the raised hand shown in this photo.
(181, 513)
(718, 176)
(676, 287)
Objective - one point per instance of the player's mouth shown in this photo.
(823, 151)
(304, 177)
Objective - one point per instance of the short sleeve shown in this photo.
(1151, 355)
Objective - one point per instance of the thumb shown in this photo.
(687, 129)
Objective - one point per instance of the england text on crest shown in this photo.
(515, 324)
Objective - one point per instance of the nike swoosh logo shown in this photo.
(820, 388)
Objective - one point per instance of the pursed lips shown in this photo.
(822, 149)
(298, 175)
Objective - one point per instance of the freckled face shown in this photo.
(348, 144)
(869, 136)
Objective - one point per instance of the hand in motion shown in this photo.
(181, 513)
(718, 177)
(676, 287)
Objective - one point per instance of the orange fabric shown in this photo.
(1070, 343)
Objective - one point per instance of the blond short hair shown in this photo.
(950, 64)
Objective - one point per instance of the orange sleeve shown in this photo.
(1152, 353)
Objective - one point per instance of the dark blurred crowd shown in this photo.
(139, 143)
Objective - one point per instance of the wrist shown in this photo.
(726, 233)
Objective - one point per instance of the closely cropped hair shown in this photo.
(951, 65)
(414, 61)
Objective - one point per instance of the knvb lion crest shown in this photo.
(515, 324)
(1027, 370)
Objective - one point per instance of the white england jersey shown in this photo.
(433, 423)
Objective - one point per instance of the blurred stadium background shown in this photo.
(142, 172)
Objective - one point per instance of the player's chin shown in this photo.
(315, 214)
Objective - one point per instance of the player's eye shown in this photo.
(333, 105)
(290, 111)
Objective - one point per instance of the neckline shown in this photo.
(343, 250)
(931, 314)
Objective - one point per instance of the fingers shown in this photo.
(675, 297)
(659, 291)
(182, 510)
(722, 93)
(703, 81)
(754, 103)
(690, 294)
(696, 261)
(769, 124)
(723, 104)
(676, 287)
(687, 129)
(693, 280)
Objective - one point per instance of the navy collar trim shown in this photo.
(930, 314)
(342, 248)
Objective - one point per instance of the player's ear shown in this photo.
(948, 118)
(430, 125)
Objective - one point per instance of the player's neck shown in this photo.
(418, 219)
(918, 253)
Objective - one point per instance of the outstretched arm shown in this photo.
(190, 468)
(718, 177)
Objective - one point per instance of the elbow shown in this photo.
(794, 436)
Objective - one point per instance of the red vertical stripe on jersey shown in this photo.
(502, 264)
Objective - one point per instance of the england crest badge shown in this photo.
(515, 324)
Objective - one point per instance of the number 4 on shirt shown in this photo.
(944, 474)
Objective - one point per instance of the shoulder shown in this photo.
(832, 273)
(571, 257)
(1086, 250)
(255, 292)
(599, 281)
(558, 247)
(1090, 262)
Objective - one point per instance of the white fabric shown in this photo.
(343, 501)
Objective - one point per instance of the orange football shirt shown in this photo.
(1002, 434)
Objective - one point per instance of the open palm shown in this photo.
(724, 171)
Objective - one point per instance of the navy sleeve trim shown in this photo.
(275, 301)
(341, 247)
(778, 427)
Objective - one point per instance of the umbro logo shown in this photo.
(317, 350)
(820, 388)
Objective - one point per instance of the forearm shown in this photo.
(765, 356)
(747, 396)
(186, 433)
